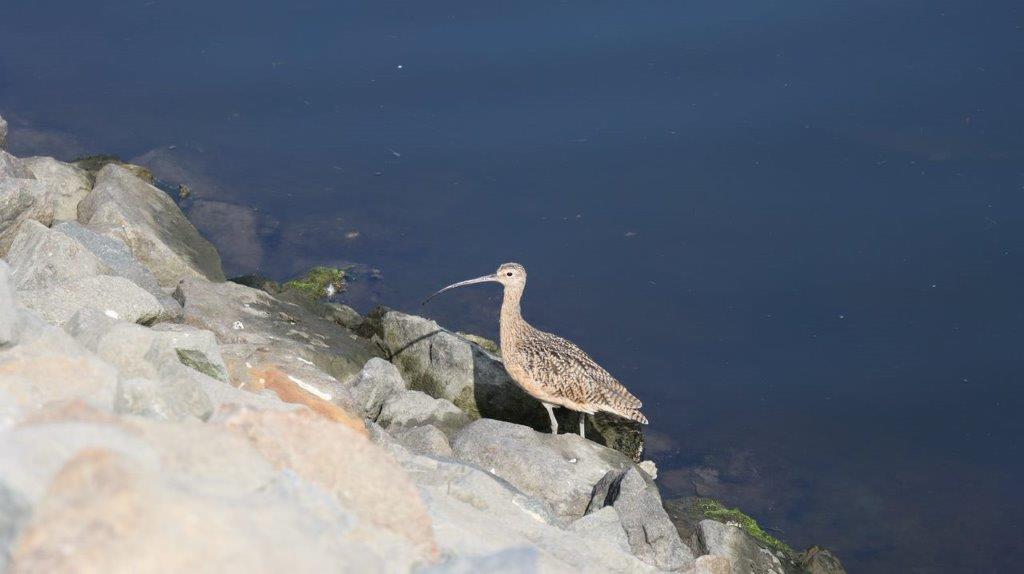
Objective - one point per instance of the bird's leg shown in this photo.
(583, 420)
(551, 413)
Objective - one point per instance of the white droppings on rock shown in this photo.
(112, 314)
(310, 388)
(237, 325)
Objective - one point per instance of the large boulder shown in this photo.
(376, 383)
(103, 512)
(359, 474)
(445, 365)
(652, 536)
(40, 363)
(21, 200)
(116, 296)
(743, 552)
(250, 324)
(160, 369)
(478, 514)
(8, 306)
(119, 261)
(69, 184)
(42, 258)
(149, 222)
(410, 409)
(561, 469)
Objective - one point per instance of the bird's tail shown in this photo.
(627, 413)
(636, 415)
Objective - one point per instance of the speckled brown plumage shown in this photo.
(550, 368)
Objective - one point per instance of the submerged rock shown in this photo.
(93, 164)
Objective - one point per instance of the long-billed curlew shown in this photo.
(548, 367)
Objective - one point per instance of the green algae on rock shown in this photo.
(92, 164)
(318, 282)
(715, 510)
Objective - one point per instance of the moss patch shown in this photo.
(315, 283)
(717, 511)
(94, 163)
(197, 360)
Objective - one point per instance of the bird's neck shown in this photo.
(511, 317)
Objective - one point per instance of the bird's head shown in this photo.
(508, 274)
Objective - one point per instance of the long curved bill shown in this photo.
(484, 279)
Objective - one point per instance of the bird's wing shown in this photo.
(559, 364)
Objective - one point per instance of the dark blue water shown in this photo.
(794, 229)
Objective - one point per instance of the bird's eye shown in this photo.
(509, 274)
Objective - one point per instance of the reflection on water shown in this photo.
(793, 229)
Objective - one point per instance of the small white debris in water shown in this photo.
(238, 326)
(330, 290)
(842, 316)
(399, 66)
(310, 388)
(112, 314)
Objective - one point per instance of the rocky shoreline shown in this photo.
(155, 417)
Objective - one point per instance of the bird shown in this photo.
(549, 368)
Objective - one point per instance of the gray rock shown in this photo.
(652, 536)
(42, 258)
(8, 306)
(149, 222)
(343, 315)
(119, 261)
(115, 296)
(21, 200)
(378, 381)
(711, 564)
(477, 514)
(169, 363)
(560, 470)
(246, 320)
(414, 408)
(427, 440)
(158, 400)
(69, 184)
(13, 167)
(194, 348)
(743, 552)
(3, 133)
(511, 561)
(603, 525)
(155, 380)
(445, 365)
(821, 561)
(47, 365)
